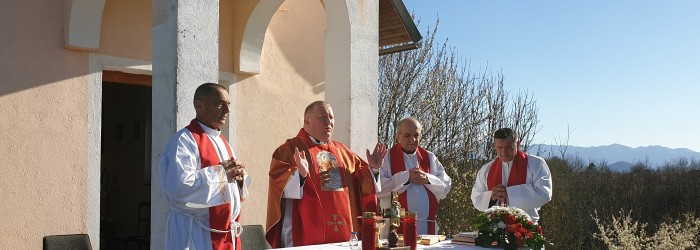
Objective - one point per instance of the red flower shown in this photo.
(529, 223)
(539, 230)
(509, 219)
(514, 228)
(519, 240)
(530, 235)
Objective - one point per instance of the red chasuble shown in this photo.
(219, 216)
(328, 212)
(398, 165)
(518, 172)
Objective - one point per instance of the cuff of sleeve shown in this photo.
(515, 196)
(433, 180)
(401, 178)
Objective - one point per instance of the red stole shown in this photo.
(326, 215)
(219, 216)
(518, 172)
(398, 165)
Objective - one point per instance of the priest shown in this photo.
(318, 187)
(203, 181)
(513, 179)
(416, 174)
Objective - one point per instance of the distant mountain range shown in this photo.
(618, 157)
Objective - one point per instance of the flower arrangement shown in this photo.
(509, 228)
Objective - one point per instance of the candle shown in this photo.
(410, 232)
(369, 241)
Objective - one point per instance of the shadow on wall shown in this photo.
(303, 46)
(32, 50)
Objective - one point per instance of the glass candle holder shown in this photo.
(410, 231)
(369, 227)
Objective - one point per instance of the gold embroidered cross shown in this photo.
(335, 222)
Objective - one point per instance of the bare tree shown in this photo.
(459, 109)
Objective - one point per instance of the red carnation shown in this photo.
(539, 230)
(519, 240)
(514, 228)
(509, 219)
(530, 235)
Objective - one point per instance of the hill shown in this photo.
(653, 156)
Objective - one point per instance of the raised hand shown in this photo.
(375, 159)
(301, 162)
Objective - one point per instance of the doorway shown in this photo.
(125, 191)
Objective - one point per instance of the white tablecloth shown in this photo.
(344, 245)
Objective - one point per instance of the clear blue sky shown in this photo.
(622, 71)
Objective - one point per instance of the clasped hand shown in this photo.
(500, 194)
(417, 176)
(235, 170)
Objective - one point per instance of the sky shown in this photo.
(601, 72)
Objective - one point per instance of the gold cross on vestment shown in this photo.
(335, 222)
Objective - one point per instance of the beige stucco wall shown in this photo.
(270, 105)
(233, 16)
(44, 104)
(126, 29)
(43, 139)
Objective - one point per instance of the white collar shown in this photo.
(316, 141)
(210, 131)
(410, 154)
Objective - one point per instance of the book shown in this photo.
(428, 239)
(465, 238)
(463, 243)
(471, 235)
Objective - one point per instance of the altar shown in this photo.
(345, 246)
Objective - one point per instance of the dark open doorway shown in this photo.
(125, 161)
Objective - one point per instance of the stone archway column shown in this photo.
(351, 62)
(185, 55)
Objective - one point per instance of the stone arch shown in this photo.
(82, 23)
(254, 35)
(351, 62)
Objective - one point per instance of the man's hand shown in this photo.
(375, 159)
(417, 176)
(500, 194)
(301, 162)
(235, 170)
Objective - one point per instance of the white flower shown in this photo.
(501, 225)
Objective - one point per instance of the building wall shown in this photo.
(126, 29)
(270, 105)
(45, 101)
(43, 139)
